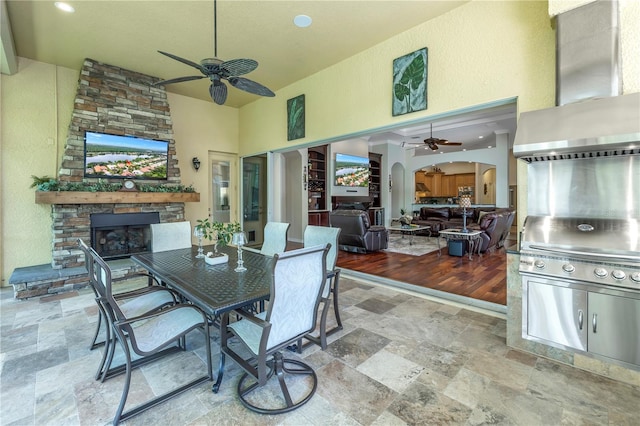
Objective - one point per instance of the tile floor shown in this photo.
(401, 359)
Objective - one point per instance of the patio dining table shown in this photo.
(215, 289)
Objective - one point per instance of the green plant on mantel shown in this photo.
(222, 232)
(49, 184)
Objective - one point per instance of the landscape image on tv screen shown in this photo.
(113, 156)
(352, 170)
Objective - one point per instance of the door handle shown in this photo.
(594, 322)
(580, 318)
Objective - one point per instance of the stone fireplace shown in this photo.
(115, 236)
(111, 100)
(117, 101)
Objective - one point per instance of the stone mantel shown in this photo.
(120, 197)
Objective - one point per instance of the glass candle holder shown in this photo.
(239, 239)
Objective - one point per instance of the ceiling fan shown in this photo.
(432, 142)
(217, 70)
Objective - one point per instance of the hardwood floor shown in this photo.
(483, 278)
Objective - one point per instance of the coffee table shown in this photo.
(410, 230)
(456, 234)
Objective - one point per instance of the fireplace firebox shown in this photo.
(116, 236)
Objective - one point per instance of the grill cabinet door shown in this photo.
(557, 314)
(614, 327)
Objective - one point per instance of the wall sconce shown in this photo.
(196, 163)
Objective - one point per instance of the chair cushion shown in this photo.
(249, 332)
(145, 303)
(154, 333)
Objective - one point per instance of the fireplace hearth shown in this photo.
(117, 236)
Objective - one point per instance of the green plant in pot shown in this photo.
(217, 232)
(405, 219)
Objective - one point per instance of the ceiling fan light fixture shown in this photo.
(217, 70)
(302, 21)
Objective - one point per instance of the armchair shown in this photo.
(357, 234)
(297, 282)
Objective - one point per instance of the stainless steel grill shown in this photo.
(581, 286)
(599, 251)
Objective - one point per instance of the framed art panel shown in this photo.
(410, 82)
(295, 118)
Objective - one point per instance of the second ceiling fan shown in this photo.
(217, 70)
(432, 142)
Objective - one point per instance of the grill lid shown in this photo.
(613, 238)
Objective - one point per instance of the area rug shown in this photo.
(421, 245)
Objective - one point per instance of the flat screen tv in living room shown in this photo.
(351, 171)
(127, 157)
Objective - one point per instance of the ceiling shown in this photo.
(128, 34)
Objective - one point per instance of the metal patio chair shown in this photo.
(275, 239)
(149, 336)
(170, 236)
(322, 235)
(296, 287)
(134, 303)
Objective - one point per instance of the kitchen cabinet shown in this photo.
(586, 319)
(448, 186)
(442, 185)
(319, 218)
(465, 179)
(435, 183)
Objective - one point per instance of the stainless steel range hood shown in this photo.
(593, 128)
(592, 120)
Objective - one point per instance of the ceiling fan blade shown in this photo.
(237, 67)
(250, 86)
(450, 143)
(185, 61)
(218, 92)
(178, 80)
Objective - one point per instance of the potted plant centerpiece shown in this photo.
(405, 219)
(219, 234)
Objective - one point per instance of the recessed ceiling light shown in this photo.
(302, 21)
(464, 149)
(64, 7)
(489, 146)
(480, 137)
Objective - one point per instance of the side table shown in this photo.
(473, 237)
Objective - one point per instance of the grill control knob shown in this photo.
(635, 277)
(618, 274)
(567, 267)
(539, 264)
(600, 272)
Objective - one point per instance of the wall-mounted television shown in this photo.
(125, 157)
(351, 171)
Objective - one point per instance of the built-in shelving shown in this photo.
(317, 186)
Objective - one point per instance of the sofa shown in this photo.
(495, 223)
(357, 235)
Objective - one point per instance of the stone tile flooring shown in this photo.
(401, 359)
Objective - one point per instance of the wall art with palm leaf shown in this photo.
(295, 118)
(410, 82)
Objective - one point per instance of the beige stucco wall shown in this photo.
(30, 129)
(479, 52)
(37, 103)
